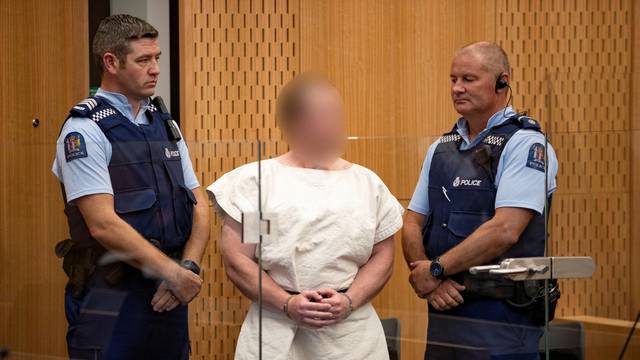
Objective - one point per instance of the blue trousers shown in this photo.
(119, 323)
(482, 330)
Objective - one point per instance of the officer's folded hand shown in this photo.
(420, 278)
(163, 299)
(184, 284)
(446, 296)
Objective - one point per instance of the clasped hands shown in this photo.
(441, 294)
(182, 287)
(317, 309)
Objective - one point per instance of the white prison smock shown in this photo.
(327, 224)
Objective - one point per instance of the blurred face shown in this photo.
(473, 86)
(138, 75)
(319, 130)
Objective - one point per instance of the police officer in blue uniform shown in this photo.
(137, 217)
(480, 198)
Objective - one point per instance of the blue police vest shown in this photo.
(146, 176)
(462, 191)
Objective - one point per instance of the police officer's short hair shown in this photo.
(290, 102)
(114, 34)
(494, 57)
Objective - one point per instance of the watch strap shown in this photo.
(191, 265)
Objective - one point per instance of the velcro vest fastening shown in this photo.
(146, 175)
(462, 191)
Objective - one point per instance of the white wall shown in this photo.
(155, 12)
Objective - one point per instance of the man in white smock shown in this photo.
(333, 251)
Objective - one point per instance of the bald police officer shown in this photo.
(480, 198)
(137, 217)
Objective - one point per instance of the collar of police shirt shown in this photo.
(495, 120)
(121, 103)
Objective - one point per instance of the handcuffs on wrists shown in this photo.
(285, 307)
(350, 303)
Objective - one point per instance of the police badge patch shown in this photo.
(74, 146)
(536, 157)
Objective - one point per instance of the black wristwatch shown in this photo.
(437, 270)
(190, 265)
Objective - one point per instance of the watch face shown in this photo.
(436, 269)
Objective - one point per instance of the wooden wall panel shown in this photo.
(390, 60)
(635, 158)
(572, 64)
(44, 70)
(235, 57)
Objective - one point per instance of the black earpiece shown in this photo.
(501, 82)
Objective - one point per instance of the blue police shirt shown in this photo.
(89, 174)
(519, 182)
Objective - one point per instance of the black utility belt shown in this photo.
(174, 254)
(81, 261)
(537, 297)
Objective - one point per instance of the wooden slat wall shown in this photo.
(235, 57)
(44, 70)
(635, 158)
(572, 65)
(390, 60)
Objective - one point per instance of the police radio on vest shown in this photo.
(172, 126)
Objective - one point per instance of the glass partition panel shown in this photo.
(310, 228)
(104, 282)
(407, 321)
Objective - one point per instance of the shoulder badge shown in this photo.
(74, 146)
(536, 157)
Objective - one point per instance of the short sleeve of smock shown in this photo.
(389, 214)
(232, 193)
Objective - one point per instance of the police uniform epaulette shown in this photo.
(92, 108)
(528, 122)
(84, 107)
